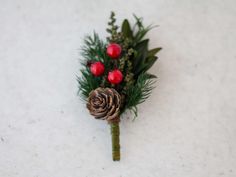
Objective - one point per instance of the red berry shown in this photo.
(114, 50)
(115, 76)
(97, 68)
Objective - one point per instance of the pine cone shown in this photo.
(104, 103)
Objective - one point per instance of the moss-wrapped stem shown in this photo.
(115, 134)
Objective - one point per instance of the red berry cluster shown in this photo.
(98, 68)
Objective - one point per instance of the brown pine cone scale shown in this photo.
(104, 103)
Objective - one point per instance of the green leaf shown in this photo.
(142, 50)
(147, 65)
(126, 30)
(150, 59)
(153, 52)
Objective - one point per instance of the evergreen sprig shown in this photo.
(140, 91)
(94, 49)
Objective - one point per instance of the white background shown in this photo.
(186, 129)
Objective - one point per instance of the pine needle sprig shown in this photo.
(140, 91)
(92, 50)
(87, 83)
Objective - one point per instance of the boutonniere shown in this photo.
(114, 77)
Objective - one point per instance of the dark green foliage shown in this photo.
(140, 91)
(135, 61)
(142, 51)
(87, 83)
(92, 50)
(153, 52)
(140, 30)
(143, 58)
(126, 30)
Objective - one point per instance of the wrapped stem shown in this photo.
(115, 134)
